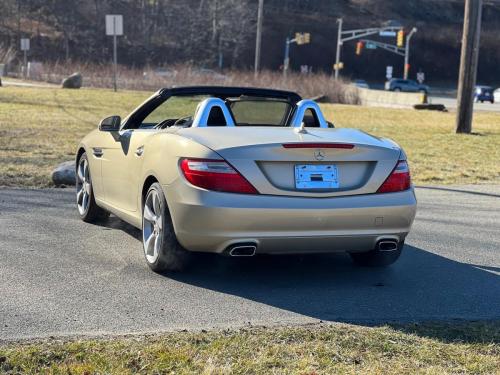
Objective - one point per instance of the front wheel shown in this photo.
(88, 209)
(376, 257)
(161, 249)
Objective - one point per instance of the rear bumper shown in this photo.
(211, 221)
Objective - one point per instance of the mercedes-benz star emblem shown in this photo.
(319, 155)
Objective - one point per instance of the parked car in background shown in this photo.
(361, 83)
(496, 95)
(484, 94)
(406, 85)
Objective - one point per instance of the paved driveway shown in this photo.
(61, 276)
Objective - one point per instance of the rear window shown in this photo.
(260, 112)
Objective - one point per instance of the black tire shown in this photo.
(397, 89)
(92, 213)
(492, 101)
(171, 255)
(377, 258)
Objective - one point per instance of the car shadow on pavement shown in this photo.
(421, 286)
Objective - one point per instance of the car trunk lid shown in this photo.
(317, 163)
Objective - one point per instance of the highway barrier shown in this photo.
(393, 99)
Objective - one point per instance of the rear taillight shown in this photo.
(215, 175)
(398, 180)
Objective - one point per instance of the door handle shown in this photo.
(97, 152)
(139, 151)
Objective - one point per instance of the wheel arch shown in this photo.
(150, 180)
(79, 153)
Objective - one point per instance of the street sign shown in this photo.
(25, 44)
(387, 33)
(420, 77)
(388, 72)
(114, 24)
(370, 45)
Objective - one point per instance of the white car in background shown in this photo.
(496, 95)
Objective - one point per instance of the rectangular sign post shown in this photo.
(114, 28)
(25, 46)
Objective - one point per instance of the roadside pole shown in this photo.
(468, 65)
(300, 39)
(407, 53)
(25, 46)
(258, 41)
(339, 44)
(114, 28)
(286, 60)
(114, 61)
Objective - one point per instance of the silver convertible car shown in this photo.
(242, 172)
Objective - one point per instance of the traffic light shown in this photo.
(401, 37)
(359, 48)
(302, 38)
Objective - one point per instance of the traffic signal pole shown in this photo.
(286, 61)
(407, 53)
(300, 39)
(344, 36)
(337, 55)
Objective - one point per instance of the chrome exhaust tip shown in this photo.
(242, 250)
(387, 245)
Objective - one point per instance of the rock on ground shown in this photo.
(74, 81)
(64, 174)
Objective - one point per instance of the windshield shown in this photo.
(246, 111)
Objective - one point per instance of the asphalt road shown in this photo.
(451, 104)
(60, 276)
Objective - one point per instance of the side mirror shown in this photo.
(330, 124)
(110, 124)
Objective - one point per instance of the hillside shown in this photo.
(212, 32)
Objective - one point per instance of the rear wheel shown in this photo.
(376, 257)
(88, 209)
(161, 249)
(397, 89)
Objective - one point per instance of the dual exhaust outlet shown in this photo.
(249, 249)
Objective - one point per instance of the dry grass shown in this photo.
(41, 127)
(463, 348)
(437, 155)
(310, 85)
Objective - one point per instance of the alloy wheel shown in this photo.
(83, 186)
(152, 226)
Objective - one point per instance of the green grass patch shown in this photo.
(440, 348)
(41, 127)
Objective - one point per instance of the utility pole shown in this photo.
(258, 41)
(468, 65)
(407, 53)
(339, 44)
